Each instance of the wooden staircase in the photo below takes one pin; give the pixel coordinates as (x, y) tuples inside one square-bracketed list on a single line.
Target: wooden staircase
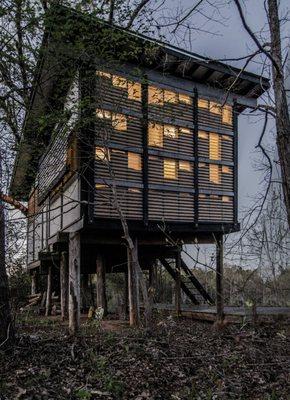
[(188, 283)]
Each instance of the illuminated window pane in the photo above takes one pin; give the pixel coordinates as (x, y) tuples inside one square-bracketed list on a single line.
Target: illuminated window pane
[(103, 113), (134, 161), (226, 199), (103, 74), (183, 98), (120, 82), (226, 169), (155, 134), (101, 186), (119, 122), (134, 91), (170, 97), (102, 154), (227, 137), (169, 169), (155, 95), (184, 130), (185, 166), (227, 115), (202, 103), (214, 174), (202, 135), (215, 108), (214, 146), (201, 165), (134, 190), (170, 131)]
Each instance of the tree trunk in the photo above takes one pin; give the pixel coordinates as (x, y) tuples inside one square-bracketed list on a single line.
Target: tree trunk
[(132, 292), (101, 284), (74, 282), (219, 279), (48, 292), (178, 284), (34, 278), (282, 111), (64, 278)]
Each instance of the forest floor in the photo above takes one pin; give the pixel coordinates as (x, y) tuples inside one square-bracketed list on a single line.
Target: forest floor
[(179, 359)]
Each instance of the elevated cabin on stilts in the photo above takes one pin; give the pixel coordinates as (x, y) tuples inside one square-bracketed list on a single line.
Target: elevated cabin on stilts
[(123, 126)]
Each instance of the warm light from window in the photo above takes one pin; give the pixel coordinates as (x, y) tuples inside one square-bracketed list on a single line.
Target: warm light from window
[(134, 161), (185, 166), (119, 122), (103, 74), (134, 91), (170, 97), (155, 95), (226, 169), (227, 117), (202, 135), (227, 137), (103, 113), (170, 131), (102, 154), (120, 82), (202, 103), (214, 146), (155, 137), (183, 98), (226, 199), (134, 190), (214, 174), (184, 130), (101, 186), (169, 169), (215, 108)]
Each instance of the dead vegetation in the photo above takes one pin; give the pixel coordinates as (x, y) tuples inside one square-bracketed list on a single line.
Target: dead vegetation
[(188, 360)]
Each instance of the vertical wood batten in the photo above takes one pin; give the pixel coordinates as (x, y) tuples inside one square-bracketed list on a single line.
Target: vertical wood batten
[(196, 156), (74, 281), (235, 151), (145, 147)]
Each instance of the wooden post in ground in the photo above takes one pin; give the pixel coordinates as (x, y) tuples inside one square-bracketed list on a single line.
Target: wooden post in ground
[(178, 283), (74, 282), (132, 292), (126, 300), (219, 278), (34, 278), (48, 291), (152, 284), (64, 285), (101, 283)]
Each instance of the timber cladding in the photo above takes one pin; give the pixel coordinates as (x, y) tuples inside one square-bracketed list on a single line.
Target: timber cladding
[(171, 157)]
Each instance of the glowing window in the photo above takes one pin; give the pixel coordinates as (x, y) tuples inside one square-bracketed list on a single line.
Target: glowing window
[(103, 74), (214, 146), (134, 91), (226, 199), (170, 97), (184, 130), (215, 108), (184, 98), (214, 174), (226, 137), (155, 134), (134, 161), (185, 166), (202, 135), (119, 122), (226, 169), (134, 190), (101, 186), (227, 117), (202, 103), (102, 154), (202, 165), (169, 169), (104, 114), (155, 95), (170, 131), (120, 82)]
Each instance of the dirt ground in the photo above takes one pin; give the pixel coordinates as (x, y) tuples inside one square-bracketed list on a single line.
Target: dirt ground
[(178, 359)]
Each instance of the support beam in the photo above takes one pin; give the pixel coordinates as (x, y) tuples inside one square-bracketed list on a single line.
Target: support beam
[(64, 277), (178, 283), (126, 300), (219, 278), (48, 291), (34, 282), (101, 283), (74, 282), (132, 292)]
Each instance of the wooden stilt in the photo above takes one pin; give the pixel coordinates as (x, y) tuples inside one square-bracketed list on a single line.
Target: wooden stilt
[(219, 278), (34, 282), (64, 285), (48, 292), (178, 283), (126, 300), (101, 284), (74, 282), (132, 292)]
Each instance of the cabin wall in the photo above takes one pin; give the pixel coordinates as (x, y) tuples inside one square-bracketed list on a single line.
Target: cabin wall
[(168, 148)]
